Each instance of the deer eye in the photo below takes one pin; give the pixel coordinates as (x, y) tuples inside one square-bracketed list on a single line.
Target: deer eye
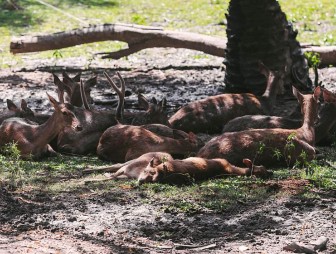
[(65, 113)]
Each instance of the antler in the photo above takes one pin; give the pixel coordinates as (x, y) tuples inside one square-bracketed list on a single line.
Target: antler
[(120, 92)]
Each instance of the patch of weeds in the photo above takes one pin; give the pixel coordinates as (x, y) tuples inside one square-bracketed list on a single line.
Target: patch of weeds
[(323, 177), (313, 59), (12, 165), (138, 19)]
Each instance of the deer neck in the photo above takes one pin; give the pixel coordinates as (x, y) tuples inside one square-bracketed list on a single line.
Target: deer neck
[(47, 131), (307, 131)]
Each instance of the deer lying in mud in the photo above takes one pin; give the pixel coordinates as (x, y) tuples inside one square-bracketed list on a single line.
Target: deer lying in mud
[(33, 140), (268, 145), (68, 90), (210, 114), (95, 122), (121, 143), (14, 111), (161, 167)]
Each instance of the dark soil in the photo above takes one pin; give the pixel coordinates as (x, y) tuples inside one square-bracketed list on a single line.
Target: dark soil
[(120, 221)]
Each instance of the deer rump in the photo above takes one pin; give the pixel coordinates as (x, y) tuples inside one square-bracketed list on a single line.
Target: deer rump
[(260, 145)]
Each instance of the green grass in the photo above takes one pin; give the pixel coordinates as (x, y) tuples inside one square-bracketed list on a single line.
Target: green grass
[(316, 21)]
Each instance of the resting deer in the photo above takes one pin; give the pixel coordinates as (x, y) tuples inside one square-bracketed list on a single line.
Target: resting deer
[(95, 122), (14, 111), (121, 143), (161, 167), (210, 114), (172, 171), (33, 140), (69, 89), (265, 144)]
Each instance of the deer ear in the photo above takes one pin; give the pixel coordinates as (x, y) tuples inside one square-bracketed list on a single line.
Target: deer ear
[(163, 103), (24, 105), (53, 102), (263, 69), (177, 134), (329, 96), (77, 77), (151, 163), (154, 100), (248, 163), (11, 105), (297, 94), (317, 93), (143, 102)]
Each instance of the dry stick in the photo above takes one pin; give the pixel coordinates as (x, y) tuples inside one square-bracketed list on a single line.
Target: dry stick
[(63, 12)]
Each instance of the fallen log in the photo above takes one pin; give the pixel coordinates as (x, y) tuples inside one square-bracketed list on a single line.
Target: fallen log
[(139, 38)]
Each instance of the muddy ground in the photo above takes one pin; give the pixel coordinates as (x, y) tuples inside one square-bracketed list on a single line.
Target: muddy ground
[(119, 221)]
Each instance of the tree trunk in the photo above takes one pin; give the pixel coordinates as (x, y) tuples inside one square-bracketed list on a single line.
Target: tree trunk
[(259, 30)]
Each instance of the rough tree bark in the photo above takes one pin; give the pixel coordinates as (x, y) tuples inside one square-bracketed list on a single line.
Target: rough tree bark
[(259, 30)]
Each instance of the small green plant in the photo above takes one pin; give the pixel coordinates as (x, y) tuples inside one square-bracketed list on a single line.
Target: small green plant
[(13, 164), (313, 59), (277, 153), (289, 148), (138, 19), (57, 54)]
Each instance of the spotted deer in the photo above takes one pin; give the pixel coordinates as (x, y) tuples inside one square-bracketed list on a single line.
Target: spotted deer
[(210, 114), (33, 140), (121, 143), (264, 145), (95, 122)]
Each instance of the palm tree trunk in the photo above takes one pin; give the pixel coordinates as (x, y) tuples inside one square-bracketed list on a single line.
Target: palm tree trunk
[(258, 30)]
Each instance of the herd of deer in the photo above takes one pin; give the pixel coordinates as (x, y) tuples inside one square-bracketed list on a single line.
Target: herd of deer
[(143, 144)]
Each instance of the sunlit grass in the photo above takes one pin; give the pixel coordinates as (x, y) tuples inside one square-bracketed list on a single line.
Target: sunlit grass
[(315, 20)]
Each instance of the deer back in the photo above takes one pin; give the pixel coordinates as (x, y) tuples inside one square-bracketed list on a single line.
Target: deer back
[(210, 114), (120, 143)]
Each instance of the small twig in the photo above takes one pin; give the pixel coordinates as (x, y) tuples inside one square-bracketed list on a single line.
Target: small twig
[(194, 247)]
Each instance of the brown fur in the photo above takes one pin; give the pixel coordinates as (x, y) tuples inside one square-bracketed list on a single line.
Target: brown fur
[(121, 143), (14, 111), (236, 145), (71, 89), (33, 140), (171, 171), (327, 119), (210, 114), (95, 122)]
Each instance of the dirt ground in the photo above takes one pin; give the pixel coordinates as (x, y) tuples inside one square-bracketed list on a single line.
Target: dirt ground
[(111, 223)]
